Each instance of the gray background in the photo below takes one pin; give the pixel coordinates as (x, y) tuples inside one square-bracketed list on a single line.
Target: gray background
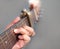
[(47, 29)]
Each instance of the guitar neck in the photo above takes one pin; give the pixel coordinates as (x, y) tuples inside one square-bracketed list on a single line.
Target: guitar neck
[(8, 38)]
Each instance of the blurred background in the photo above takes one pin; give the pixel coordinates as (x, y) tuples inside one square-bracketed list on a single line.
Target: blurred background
[(47, 29)]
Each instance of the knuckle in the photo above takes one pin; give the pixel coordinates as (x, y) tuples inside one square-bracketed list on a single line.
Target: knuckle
[(32, 30)]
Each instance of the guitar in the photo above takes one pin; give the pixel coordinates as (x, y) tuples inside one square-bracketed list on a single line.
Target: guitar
[(8, 38)]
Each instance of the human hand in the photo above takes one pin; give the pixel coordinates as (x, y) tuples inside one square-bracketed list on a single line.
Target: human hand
[(26, 32)]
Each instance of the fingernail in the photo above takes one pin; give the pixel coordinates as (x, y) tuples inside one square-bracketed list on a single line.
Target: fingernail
[(15, 30), (20, 37)]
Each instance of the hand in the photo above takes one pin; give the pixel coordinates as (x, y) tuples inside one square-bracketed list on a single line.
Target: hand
[(26, 32)]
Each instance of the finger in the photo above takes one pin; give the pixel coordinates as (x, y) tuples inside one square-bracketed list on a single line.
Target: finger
[(26, 38), (13, 22), (30, 30), (20, 37), (21, 30), (18, 45)]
